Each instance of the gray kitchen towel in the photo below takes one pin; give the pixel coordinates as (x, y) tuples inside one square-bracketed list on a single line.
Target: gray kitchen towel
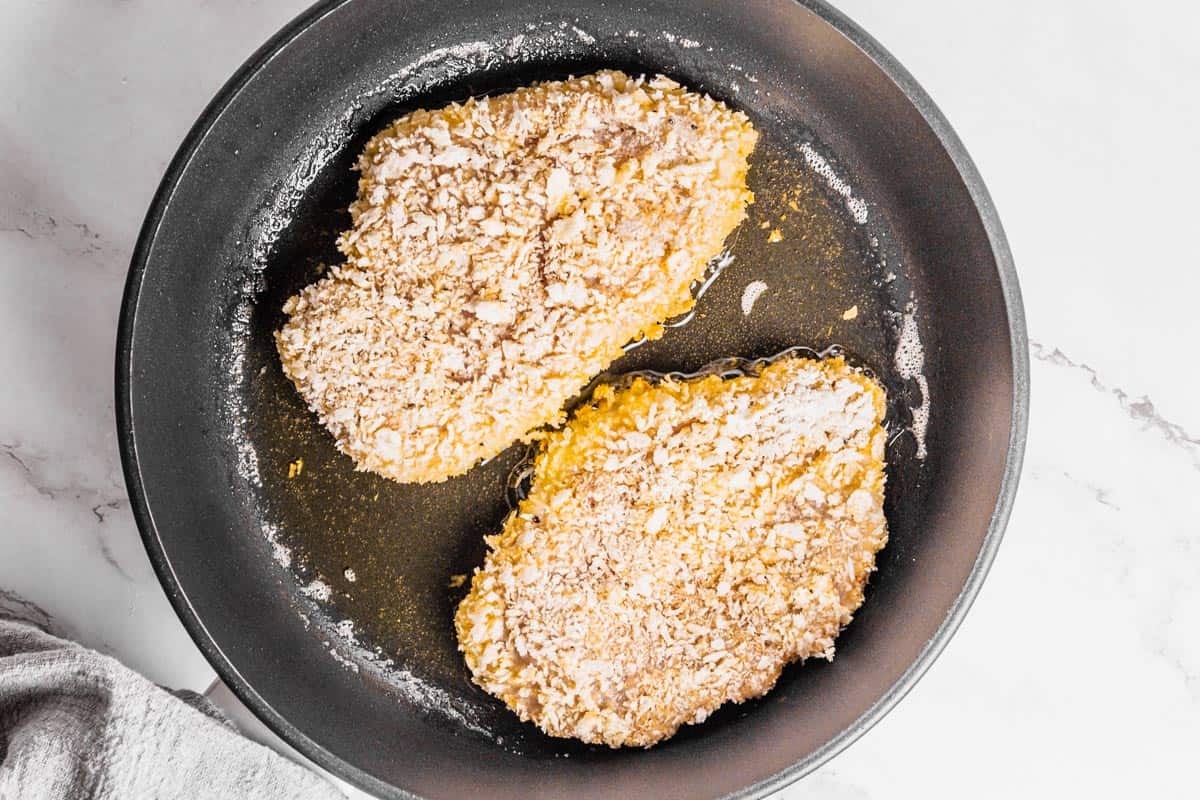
[(78, 725)]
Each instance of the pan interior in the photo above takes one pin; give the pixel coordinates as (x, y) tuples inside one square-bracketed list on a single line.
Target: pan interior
[(380, 556), (324, 594)]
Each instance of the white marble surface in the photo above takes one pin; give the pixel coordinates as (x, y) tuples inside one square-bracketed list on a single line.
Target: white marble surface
[(1078, 671)]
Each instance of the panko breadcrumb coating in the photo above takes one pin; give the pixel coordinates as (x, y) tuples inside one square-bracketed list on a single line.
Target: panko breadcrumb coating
[(681, 542), (502, 252)]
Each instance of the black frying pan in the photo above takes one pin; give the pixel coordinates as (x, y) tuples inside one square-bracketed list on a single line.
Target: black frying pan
[(248, 211)]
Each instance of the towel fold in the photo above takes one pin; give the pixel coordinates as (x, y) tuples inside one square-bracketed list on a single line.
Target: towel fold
[(76, 724)]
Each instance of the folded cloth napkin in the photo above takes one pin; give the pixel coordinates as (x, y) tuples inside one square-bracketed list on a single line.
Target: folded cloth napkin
[(78, 725)]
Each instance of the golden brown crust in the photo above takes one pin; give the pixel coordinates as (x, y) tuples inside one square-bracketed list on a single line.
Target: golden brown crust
[(503, 250), (681, 543)]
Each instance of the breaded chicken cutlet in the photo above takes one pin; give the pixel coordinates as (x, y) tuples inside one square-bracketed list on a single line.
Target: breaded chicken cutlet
[(503, 250), (681, 542)]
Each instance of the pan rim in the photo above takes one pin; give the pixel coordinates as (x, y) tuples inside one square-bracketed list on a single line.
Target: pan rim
[(228, 672)]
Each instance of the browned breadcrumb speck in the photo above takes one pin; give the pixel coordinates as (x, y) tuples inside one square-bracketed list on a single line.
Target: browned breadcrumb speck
[(503, 250), (681, 543)]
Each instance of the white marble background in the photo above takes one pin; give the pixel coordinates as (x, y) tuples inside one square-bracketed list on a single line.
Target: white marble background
[(1078, 671)]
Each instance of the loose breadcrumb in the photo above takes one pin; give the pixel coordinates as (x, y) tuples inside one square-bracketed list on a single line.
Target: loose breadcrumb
[(681, 542), (750, 295), (502, 252)]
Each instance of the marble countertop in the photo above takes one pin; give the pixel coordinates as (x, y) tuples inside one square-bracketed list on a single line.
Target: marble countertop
[(1077, 671)]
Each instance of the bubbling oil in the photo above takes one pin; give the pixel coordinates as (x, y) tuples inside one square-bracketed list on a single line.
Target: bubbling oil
[(698, 289)]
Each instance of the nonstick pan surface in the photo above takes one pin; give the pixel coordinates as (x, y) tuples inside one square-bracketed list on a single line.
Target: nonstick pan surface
[(324, 596)]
